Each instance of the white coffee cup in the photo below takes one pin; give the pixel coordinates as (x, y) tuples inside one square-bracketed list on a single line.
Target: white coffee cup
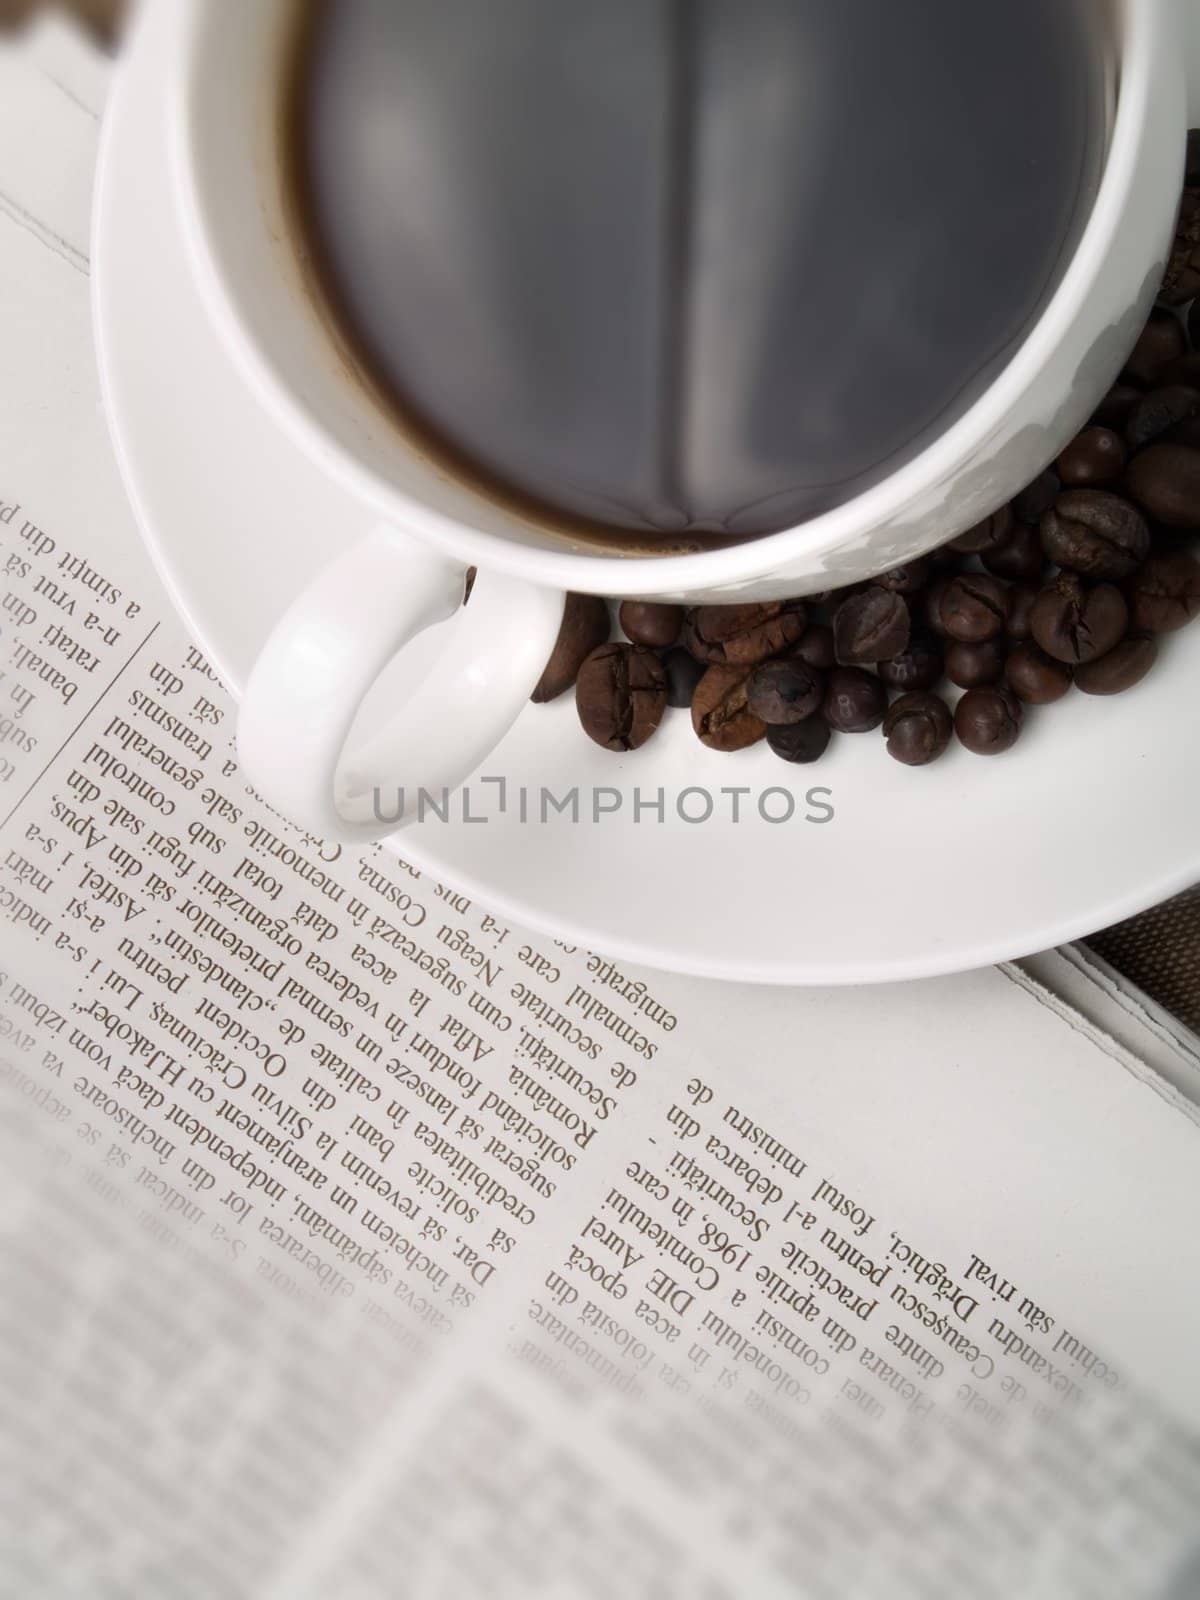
[(299, 736)]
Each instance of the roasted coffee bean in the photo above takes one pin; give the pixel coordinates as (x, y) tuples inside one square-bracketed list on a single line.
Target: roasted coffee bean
[(1096, 533), (855, 701), (872, 625), (1097, 455), (1184, 369), (1181, 281), (1038, 496), (972, 607), (942, 560), (970, 666), (620, 694), (930, 604), (1034, 677), (1126, 664), (917, 729), (815, 646), (1186, 432), (907, 579), (988, 721), (801, 742), (650, 622), (585, 625), (1165, 480), (1191, 171), (683, 674), (1193, 324), (1076, 624), (742, 635), (1159, 343), (1165, 595), (1158, 412), (991, 531), (720, 715), (1113, 411), (918, 666), (784, 691), (1020, 556), (1021, 598)]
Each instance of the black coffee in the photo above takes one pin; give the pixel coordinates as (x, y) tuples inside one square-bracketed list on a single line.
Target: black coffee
[(672, 272)]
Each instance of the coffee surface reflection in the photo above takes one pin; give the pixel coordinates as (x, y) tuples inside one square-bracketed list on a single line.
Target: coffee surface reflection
[(671, 272)]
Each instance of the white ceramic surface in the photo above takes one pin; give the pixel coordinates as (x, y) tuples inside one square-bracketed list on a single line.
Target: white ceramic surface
[(1090, 818), (303, 698)]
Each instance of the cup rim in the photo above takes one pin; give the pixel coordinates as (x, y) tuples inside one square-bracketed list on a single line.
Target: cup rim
[(802, 546)]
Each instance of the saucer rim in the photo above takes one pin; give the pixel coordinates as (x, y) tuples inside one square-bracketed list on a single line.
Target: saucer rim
[(935, 958)]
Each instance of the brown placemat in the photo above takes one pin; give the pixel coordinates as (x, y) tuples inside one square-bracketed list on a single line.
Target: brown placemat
[(1160, 952)]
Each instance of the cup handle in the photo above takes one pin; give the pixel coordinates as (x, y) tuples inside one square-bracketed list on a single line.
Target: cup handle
[(307, 688)]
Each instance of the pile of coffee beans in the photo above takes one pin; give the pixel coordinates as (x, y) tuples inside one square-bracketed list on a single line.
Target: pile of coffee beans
[(1072, 584)]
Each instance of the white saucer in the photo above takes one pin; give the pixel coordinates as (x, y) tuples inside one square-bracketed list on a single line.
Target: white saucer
[(1092, 817)]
